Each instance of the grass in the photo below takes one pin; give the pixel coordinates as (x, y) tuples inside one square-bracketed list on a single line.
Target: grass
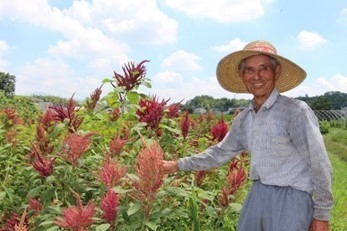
[(336, 144)]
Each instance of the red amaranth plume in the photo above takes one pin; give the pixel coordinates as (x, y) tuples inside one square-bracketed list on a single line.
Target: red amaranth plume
[(185, 124), (133, 75), (219, 131), (199, 177), (47, 119), (11, 222), (111, 172), (93, 99), (43, 165), (150, 175), (11, 117), (42, 140), (77, 218), (114, 114), (234, 180), (35, 205), (151, 111), (173, 110), (68, 112), (74, 146), (109, 206), (116, 145)]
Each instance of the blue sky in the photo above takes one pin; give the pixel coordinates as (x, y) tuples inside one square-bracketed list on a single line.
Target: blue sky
[(63, 47)]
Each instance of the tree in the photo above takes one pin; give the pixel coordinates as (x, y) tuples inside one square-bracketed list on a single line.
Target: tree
[(7, 84), (321, 103)]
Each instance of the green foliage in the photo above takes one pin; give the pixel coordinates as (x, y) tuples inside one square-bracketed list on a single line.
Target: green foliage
[(51, 98), (7, 84), (334, 100), (178, 204), (336, 143), (208, 103), (324, 127)]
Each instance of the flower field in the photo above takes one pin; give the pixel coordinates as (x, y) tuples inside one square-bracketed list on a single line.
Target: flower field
[(98, 166)]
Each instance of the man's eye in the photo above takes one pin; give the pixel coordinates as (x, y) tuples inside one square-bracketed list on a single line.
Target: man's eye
[(249, 71)]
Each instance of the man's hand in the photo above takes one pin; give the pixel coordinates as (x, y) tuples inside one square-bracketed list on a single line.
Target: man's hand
[(317, 225), (170, 166)]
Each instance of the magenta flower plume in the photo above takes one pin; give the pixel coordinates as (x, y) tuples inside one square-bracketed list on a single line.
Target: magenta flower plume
[(150, 176), (109, 204), (93, 99), (151, 111), (133, 75), (47, 119), (111, 173), (185, 124), (173, 110), (219, 131), (35, 205), (43, 165), (234, 181), (74, 146), (77, 218), (116, 145), (68, 112)]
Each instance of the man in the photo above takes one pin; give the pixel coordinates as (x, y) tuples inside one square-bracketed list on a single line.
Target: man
[(290, 168)]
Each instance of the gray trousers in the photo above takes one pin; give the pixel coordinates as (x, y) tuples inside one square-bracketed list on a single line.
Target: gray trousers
[(274, 208)]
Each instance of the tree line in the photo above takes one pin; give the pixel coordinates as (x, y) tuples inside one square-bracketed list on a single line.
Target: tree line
[(333, 100)]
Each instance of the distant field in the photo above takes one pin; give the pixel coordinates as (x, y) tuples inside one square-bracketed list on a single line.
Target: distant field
[(336, 143)]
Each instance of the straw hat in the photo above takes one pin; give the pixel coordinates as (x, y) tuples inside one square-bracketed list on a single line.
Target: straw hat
[(228, 73)]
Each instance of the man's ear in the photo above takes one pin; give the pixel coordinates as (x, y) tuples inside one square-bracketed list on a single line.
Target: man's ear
[(278, 71)]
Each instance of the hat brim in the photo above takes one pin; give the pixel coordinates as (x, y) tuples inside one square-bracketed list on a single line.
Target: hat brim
[(228, 74)]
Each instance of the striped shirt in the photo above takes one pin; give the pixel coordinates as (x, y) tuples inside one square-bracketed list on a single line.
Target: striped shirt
[(286, 149)]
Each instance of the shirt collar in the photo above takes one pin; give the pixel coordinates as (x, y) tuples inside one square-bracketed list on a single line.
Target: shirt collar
[(269, 102)]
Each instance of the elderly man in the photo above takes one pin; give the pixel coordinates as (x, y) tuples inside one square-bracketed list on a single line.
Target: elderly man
[(290, 168)]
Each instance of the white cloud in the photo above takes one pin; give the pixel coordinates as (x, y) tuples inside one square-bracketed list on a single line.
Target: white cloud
[(343, 16), (182, 61), (3, 47), (167, 77), (53, 77), (232, 45), (222, 10), (96, 29), (320, 86), (310, 40)]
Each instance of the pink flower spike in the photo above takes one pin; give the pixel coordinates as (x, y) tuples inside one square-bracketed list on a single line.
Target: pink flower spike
[(77, 218)]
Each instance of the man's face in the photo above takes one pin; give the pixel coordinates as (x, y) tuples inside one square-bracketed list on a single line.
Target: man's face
[(259, 76)]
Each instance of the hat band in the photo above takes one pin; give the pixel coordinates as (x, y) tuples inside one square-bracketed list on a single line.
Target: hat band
[(262, 49)]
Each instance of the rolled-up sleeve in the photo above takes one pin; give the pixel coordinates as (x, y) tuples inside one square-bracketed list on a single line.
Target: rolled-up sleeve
[(307, 138)]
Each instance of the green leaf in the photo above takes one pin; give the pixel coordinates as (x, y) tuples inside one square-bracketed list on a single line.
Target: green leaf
[(57, 130), (102, 227), (2, 195), (46, 223), (35, 191), (133, 97), (107, 80), (133, 209), (48, 195), (236, 207), (147, 84), (174, 191), (9, 194), (151, 225)]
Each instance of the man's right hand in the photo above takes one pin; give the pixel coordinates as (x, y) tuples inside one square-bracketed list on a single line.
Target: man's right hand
[(170, 167)]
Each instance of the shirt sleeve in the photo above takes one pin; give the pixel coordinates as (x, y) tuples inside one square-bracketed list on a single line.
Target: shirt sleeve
[(215, 155), (308, 140)]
